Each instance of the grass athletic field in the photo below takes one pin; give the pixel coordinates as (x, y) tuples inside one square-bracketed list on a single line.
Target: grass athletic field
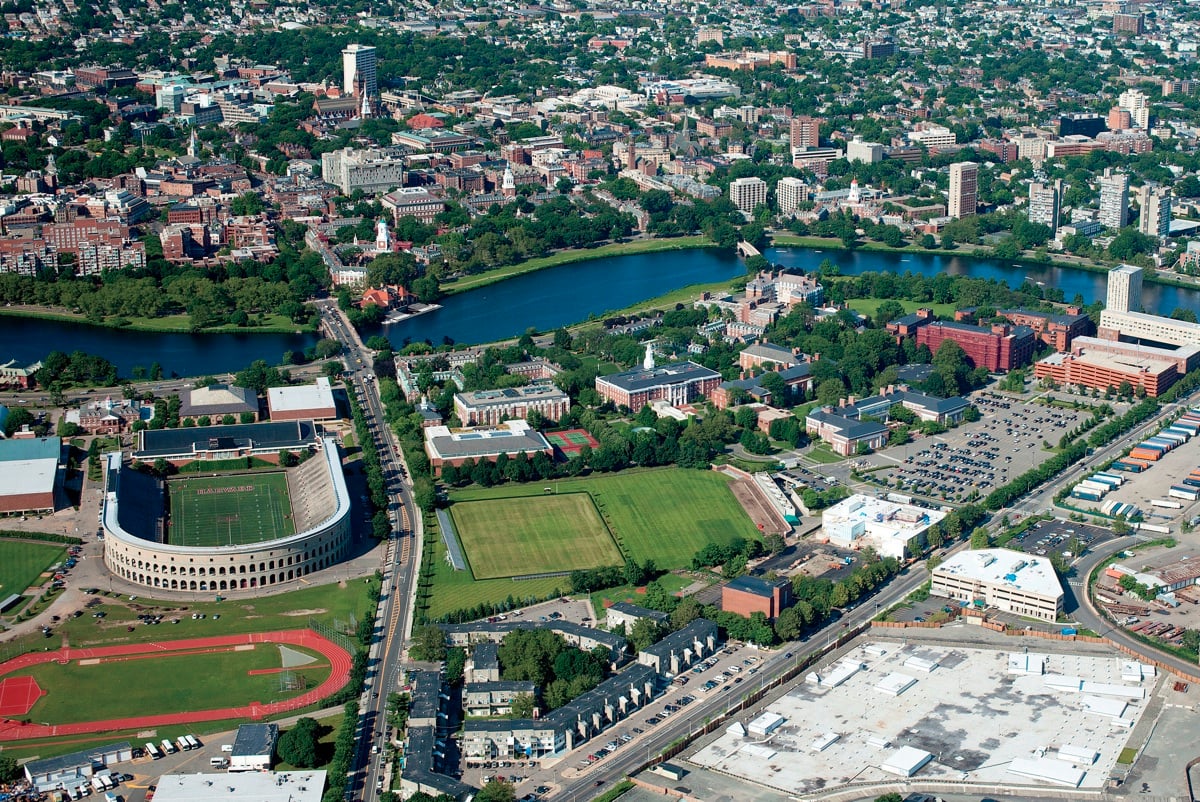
[(531, 535), (660, 514), (88, 691), (22, 563), (229, 510)]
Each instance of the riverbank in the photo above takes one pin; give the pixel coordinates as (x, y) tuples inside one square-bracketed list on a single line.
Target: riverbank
[(630, 248), (662, 303), (169, 324), (1153, 276)]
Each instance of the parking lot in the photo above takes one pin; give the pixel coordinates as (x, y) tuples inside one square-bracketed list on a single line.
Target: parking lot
[(973, 459), (1046, 537)]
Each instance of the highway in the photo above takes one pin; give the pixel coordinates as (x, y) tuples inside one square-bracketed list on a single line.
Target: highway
[(394, 615)]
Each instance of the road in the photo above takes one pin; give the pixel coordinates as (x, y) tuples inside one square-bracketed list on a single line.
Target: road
[(394, 616)]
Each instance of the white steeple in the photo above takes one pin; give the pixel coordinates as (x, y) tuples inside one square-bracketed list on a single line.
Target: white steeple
[(648, 362), (383, 238), (193, 146), (365, 111), (509, 184)]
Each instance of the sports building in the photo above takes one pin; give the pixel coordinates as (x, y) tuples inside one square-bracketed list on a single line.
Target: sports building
[(141, 545), (29, 471)]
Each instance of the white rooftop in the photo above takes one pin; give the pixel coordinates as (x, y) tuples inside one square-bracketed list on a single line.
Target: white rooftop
[(28, 466), (304, 397), (1003, 567), (250, 786)]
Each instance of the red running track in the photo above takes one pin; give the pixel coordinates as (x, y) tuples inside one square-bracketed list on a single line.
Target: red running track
[(339, 675)]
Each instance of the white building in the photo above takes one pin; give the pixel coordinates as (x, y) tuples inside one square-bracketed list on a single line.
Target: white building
[(1114, 199), (747, 193), (866, 152), (371, 170), (790, 192), (1138, 106), (1007, 580), (254, 747), (1122, 312), (934, 136), (1045, 200), (358, 71), (1155, 203), (1124, 289), (891, 529), (279, 786)]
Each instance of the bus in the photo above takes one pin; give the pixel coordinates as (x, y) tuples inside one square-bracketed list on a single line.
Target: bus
[(153, 751)]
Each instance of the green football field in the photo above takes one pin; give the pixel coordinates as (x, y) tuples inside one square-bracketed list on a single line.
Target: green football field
[(663, 514), (229, 510), (533, 534)]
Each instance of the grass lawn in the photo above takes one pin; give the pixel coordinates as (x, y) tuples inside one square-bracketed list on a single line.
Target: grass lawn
[(603, 599), (458, 590), (575, 255), (868, 306), (663, 514), (22, 563), (229, 510), (328, 604), (821, 453), (166, 684), (530, 535)]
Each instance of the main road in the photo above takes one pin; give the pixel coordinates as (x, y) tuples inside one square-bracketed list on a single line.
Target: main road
[(394, 615)]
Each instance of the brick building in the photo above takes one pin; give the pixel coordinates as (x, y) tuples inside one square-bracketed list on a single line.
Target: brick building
[(1056, 331), (751, 594), (677, 383), (1000, 348)]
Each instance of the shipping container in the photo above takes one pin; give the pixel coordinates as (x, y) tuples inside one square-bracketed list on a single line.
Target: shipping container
[(1167, 505), (1185, 493), (1191, 482), (1129, 466), (1099, 487), (1107, 479), (1162, 530), (1147, 454), (1172, 437), (1183, 430), (1086, 495)]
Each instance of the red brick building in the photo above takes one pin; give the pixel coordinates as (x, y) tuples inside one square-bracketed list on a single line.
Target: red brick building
[(1000, 348), (1057, 331), (678, 383), (751, 594)]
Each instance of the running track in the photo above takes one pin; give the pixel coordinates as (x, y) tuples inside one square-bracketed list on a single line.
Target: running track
[(339, 675)]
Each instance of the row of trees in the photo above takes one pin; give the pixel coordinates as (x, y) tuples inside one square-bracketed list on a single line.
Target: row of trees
[(559, 671)]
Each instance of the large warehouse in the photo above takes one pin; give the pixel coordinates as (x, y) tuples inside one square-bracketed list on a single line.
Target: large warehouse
[(29, 470), (1007, 580), (258, 786), (307, 402), (891, 529)]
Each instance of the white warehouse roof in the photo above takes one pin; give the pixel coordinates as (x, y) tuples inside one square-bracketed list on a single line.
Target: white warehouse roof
[(1031, 574), (252, 786)]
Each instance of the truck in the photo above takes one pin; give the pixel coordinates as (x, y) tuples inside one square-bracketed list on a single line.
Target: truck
[(1162, 530), (1166, 505), (153, 751)]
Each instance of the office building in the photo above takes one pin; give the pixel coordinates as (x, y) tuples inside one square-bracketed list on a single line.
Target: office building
[(805, 132), (866, 152), (1081, 125), (1044, 203), (1114, 199), (790, 192), (493, 407), (1155, 204), (358, 71), (892, 529), (884, 48), (1124, 289), (748, 193), (1007, 580), (933, 136), (964, 189), (1057, 331), (999, 348)]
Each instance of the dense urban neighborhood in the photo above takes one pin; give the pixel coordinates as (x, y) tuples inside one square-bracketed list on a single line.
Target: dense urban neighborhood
[(586, 400)]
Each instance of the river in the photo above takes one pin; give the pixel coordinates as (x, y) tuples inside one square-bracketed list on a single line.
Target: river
[(544, 300), (1160, 299)]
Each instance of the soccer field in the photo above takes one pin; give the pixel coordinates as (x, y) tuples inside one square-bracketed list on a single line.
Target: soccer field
[(533, 534), (229, 510), (21, 563), (663, 514)]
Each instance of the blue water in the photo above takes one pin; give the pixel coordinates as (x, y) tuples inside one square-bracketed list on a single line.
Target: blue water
[(544, 300)]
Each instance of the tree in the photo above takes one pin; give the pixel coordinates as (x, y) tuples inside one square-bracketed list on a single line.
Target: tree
[(980, 539), (685, 613), (522, 705), (298, 745), (788, 624), (644, 633), (429, 644), (496, 791)]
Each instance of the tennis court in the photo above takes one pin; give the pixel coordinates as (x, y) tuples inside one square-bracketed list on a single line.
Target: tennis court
[(230, 510), (571, 441)]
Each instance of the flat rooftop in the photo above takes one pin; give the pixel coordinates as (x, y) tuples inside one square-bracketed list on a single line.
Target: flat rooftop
[(969, 712), (643, 379), (1004, 567), (302, 398), (28, 465), (882, 518), (249, 786), (508, 394)]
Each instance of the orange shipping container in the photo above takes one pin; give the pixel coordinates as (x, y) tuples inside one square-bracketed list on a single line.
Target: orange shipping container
[(1145, 453)]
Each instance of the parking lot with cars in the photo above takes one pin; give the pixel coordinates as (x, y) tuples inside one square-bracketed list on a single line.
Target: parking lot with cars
[(973, 459)]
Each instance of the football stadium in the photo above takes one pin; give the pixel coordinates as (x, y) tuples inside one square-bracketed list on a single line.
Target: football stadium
[(226, 528)]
